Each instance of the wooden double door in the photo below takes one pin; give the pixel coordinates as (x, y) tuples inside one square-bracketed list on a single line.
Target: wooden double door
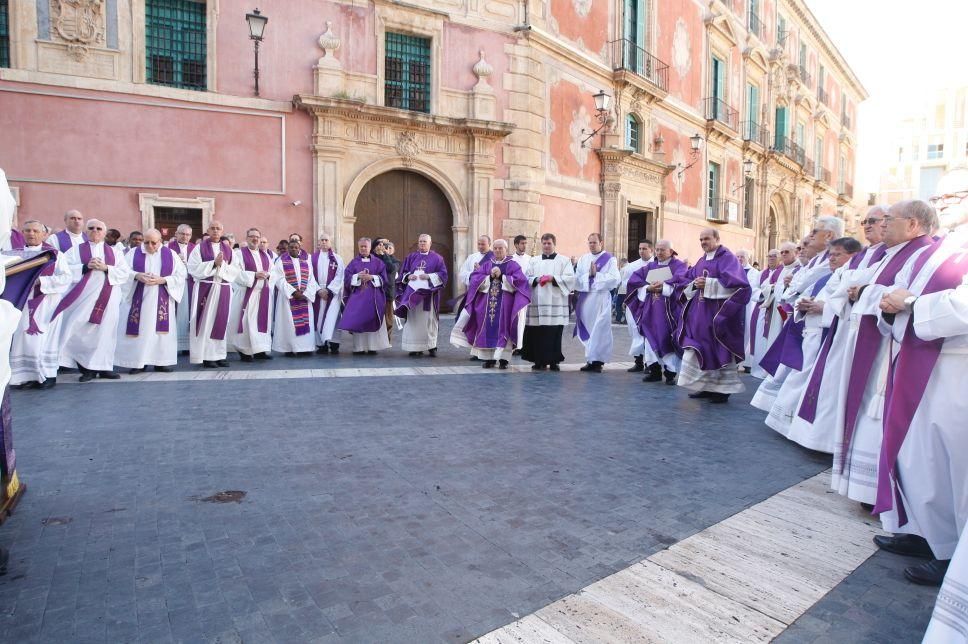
[(401, 205)]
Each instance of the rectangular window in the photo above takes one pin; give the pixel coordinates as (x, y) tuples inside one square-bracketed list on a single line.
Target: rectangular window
[(407, 78), (632, 133), (635, 22), (781, 30), (842, 183), (818, 153), (779, 139), (900, 154), (754, 24), (749, 195), (800, 134), (175, 52), (4, 34), (935, 150), (753, 105), (718, 79), (713, 192), (803, 56)]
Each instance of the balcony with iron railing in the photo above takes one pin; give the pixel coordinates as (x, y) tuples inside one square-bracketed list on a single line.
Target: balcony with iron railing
[(628, 56), (754, 133), (788, 148), (755, 25), (823, 96), (805, 76), (717, 210), (716, 109), (846, 190), (845, 121)]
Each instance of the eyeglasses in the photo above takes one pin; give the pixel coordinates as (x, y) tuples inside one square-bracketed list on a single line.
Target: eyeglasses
[(94, 228), (870, 221)]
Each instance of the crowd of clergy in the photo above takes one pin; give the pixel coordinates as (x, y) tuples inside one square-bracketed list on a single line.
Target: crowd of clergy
[(856, 346)]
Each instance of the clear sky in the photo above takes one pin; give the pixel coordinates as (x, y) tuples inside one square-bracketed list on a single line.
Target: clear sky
[(899, 49)]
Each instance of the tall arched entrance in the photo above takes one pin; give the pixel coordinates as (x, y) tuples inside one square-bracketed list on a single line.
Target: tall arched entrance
[(401, 205)]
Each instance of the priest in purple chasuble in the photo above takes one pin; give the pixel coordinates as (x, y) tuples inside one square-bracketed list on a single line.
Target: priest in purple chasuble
[(73, 233), (422, 279), (250, 322), (183, 246), (595, 276), (710, 332), (923, 462), (364, 301), (214, 272), (147, 334), (35, 350), (328, 270), (91, 307), (294, 331), (497, 292), (653, 303), (863, 382)]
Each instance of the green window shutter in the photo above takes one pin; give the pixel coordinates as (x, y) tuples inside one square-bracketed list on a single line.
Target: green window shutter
[(753, 104), (781, 128), (175, 43), (4, 34), (407, 72)]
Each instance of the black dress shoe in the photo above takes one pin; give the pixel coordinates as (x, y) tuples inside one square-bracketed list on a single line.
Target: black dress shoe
[(909, 545), (432, 352), (489, 364), (502, 364), (670, 376), (183, 352), (50, 383), (87, 376), (638, 366), (33, 384), (322, 350), (109, 375), (290, 354), (655, 373), (134, 371), (413, 354), (22, 385), (867, 507), (222, 363), (163, 369), (717, 398), (473, 358), (516, 352), (930, 573), (371, 353), (244, 357), (554, 366), (334, 348), (701, 394), (263, 356), (209, 364), (537, 367)]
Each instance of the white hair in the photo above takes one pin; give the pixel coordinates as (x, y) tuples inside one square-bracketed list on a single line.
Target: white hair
[(833, 224), (183, 228), (498, 242)]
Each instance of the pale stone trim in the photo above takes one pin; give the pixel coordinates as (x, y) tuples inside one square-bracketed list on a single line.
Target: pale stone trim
[(138, 44), (147, 202), (415, 21)]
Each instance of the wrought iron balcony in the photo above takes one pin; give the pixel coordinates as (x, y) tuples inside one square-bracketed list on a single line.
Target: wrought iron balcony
[(805, 76), (788, 148), (755, 25), (626, 55), (845, 121), (717, 210), (823, 96), (846, 190), (753, 133), (716, 109)]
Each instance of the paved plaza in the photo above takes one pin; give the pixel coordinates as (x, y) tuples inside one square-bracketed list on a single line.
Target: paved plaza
[(435, 502)]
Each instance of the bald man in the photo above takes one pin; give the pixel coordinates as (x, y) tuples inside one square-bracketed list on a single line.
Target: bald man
[(211, 265), (73, 233)]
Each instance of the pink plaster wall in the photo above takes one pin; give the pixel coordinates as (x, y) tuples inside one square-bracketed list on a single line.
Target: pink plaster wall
[(571, 222), (591, 29), (686, 87), (567, 100)]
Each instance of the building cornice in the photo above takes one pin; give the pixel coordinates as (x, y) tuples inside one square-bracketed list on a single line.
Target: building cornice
[(810, 22)]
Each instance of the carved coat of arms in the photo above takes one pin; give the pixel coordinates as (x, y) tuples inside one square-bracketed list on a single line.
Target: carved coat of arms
[(407, 147), (79, 22)]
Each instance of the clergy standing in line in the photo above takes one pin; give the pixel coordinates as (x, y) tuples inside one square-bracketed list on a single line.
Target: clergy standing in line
[(653, 304), (295, 322), (35, 349), (146, 329), (328, 273), (475, 259), (711, 330), (498, 291), (73, 233), (907, 226), (595, 277), (423, 277), (265, 246), (521, 256), (552, 278), (250, 323), (364, 301), (772, 307), (637, 347), (211, 266), (90, 309), (761, 294), (183, 246)]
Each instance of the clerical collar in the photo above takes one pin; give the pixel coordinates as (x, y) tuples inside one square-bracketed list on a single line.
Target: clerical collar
[(365, 258), (427, 253), (551, 256), (711, 255)]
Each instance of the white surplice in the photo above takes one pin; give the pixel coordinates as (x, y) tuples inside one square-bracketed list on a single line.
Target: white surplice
[(36, 357), (183, 310), (250, 341), (284, 338), (549, 303), (202, 346), (464, 274), (949, 621), (85, 344), (75, 240), (637, 346), (421, 326), (150, 347), (326, 330), (771, 295), (523, 260), (596, 310)]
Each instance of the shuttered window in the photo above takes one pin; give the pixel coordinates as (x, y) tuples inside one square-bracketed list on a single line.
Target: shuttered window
[(407, 72), (175, 37)]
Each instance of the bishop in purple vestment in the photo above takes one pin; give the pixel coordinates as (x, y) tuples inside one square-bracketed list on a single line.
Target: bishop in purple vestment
[(422, 279), (364, 301)]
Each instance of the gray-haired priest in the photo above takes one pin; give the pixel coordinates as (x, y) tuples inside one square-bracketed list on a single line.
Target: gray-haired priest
[(595, 277), (423, 278), (250, 324), (552, 278), (211, 265)]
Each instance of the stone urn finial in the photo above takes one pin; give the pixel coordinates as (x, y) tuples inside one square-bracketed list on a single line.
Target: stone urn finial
[(482, 69), (329, 42)]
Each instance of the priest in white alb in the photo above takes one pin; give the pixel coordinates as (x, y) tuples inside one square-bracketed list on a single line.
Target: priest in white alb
[(637, 347), (73, 233), (250, 330), (211, 266), (474, 260), (328, 270), (146, 333), (294, 330), (35, 349), (595, 277), (422, 280), (183, 246), (552, 278), (91, 307), (364, 301)]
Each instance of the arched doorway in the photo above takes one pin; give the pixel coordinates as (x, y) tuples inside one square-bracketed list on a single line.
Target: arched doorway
[(401, 205)]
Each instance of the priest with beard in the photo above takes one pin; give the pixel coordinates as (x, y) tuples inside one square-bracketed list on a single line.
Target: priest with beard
[(423, 277), (364, 301), (497, 292), (711, 330), (147, 334)]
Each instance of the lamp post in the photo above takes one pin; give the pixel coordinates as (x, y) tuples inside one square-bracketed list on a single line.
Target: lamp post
[(602, 104), (695, 144), (257, 26)]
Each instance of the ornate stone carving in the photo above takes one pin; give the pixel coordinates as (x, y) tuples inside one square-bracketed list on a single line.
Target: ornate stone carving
[(612, 190), (78, 22), (482, 69), (407, 147), (329, 42)]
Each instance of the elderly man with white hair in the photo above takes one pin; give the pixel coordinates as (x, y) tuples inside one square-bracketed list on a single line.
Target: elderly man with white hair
[(145, 336), (214, 271), (328, 270), (250, 323), (73, 233), (90, 309), (183, 246), (422, 279), (34, 353), (770, 301), (596, 274)]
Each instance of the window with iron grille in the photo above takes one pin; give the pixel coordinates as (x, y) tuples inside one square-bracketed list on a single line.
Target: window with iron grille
[(407, 75), (175, 34), (4, 34)]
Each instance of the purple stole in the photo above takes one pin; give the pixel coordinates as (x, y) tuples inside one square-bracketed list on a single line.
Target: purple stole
[(84, 250), (37, 296), (17, 241), (64, 240), (869, 340), (580, 330), (432, 262), (318, 307), (205, 286), (787, 349), (299, 308), (175, 248), (768, 320), (137, 298), (771, 277), (916, 360), (248, 262)]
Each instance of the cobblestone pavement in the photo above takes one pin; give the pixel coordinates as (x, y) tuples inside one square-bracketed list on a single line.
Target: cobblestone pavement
[(418, 509)]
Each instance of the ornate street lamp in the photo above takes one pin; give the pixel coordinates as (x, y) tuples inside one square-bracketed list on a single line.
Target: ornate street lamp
[(695, 144), (602, 104), (257, 26)]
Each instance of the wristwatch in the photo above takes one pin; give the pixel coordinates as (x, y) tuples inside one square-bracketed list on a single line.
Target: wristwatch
[(910, 300)]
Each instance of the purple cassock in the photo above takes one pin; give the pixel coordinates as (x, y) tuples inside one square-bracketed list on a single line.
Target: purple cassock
[(409, 298), (714, 328), (363, 305), (493, 314), (657, 317)]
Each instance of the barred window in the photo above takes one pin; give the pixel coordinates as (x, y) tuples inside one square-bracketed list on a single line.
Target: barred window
[(4, 34), (175, 37), (407, 76)]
